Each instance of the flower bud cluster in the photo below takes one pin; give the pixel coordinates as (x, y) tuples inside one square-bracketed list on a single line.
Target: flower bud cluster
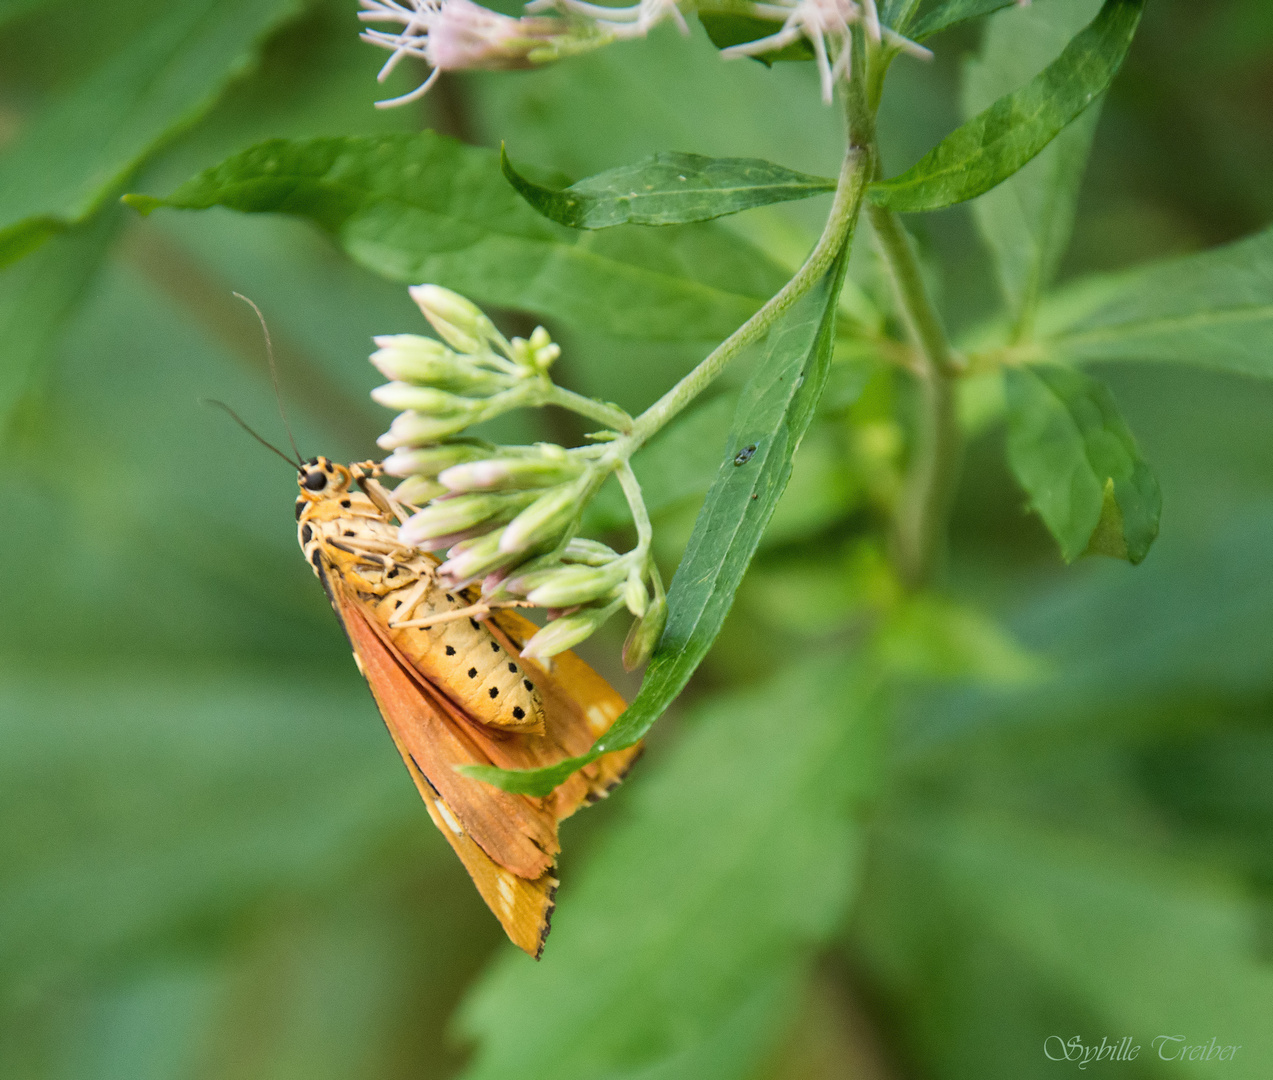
[(505, 516)]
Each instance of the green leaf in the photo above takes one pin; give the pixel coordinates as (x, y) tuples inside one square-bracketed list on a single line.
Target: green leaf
[(688, 929), (954, 12), (775, 410), (1073, 454), (36, 298), (992, 146), (71, 156), (667, 189), (425, 207), (725, 30), (1026, 220), (1213, 310)]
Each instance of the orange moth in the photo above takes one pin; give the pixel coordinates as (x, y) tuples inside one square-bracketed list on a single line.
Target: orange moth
[(454, 690)]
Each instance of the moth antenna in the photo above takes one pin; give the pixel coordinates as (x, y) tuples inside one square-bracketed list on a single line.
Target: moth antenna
[(244, 425), (278, 397)]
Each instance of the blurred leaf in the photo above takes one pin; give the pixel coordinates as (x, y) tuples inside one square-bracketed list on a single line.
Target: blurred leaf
[(418, 208), (1026, 220), (69, 159), (1075, 457), (13, 9), (667, 189), (676, 946), (36, 298), (992, 146), (773, 414), (725, 30), (1212, 310), (952, 13)]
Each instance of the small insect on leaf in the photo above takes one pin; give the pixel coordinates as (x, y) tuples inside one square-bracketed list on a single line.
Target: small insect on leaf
[(454, 691), (744, 455)]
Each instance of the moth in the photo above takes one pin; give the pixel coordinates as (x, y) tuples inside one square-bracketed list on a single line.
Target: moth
[(453, 690)]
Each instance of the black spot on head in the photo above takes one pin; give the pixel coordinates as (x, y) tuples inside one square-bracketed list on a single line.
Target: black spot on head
[(307, 534), (472, 673), (315, 556), (315, 480), (494, 646), (493, 692), (450, 650), (346, 503), (474, 623), (349, 532), (512, 667), (528, 684), (300, 505), (518, 712)]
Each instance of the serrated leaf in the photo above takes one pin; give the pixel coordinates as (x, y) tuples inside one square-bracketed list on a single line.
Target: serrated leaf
[(417, 208), (1067, 445), (1212, 310), (775, 410), (954, 12), (696, 916), (71, 156), (667, 189), (1026, 220), (995, 144)]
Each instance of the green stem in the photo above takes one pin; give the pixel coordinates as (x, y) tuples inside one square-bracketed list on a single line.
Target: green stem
[(923, 508), (855, 172), (611, 416)]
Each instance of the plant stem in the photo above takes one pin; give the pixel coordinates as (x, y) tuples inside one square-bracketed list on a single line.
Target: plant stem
[(855, 172), (611, 416), (928, 491)]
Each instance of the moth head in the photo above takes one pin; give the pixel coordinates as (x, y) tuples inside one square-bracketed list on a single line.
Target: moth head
[(320, 478)]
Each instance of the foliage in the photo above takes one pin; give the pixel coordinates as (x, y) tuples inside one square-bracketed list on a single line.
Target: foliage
[(921, 825)]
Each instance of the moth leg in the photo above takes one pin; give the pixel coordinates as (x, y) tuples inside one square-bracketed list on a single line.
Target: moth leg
[(473, 611)]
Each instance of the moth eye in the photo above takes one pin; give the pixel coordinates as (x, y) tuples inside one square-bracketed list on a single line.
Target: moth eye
[(315, 480)]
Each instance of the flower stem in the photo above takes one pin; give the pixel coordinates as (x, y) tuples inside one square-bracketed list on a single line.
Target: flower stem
[(611, 416), (923, 507), (855, 172)]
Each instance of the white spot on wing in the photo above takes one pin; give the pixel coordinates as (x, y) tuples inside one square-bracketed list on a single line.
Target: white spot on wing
[(599, 718), (506, 892), (451, 823)]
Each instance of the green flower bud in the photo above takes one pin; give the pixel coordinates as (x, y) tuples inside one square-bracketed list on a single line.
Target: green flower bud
[(645, 633), (510, 473), (445, 517), (413, 359), (634, 594), (418, 490), (543, 519), (562, 634), (570, 585), (588, 552), (423, 399), (538, 353), (431, 460), (416, 429), (459, 322), (471, 559)]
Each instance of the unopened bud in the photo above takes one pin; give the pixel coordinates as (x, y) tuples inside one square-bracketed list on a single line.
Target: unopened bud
[(414, 359), (645, 633), (471, 559), (588, 552), (562, 634), (543, 519), (422, 399), (634, 594), (568, 586), (431, 460), (416, 429), (458, 321), (445, 517), (418, 490), (536, 352), (510, 473)]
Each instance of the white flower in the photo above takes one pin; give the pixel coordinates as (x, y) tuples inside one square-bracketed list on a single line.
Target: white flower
[(827, 25), (621, 22), (450, 35)]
